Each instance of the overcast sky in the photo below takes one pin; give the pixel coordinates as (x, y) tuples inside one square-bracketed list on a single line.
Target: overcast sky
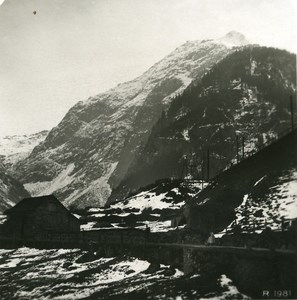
[(72, 49)]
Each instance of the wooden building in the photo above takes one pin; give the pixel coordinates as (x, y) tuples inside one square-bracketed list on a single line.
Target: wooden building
[(40, 219)]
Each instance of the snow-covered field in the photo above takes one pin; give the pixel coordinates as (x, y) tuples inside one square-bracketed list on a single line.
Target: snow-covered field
[(59, 274), (75, 274)]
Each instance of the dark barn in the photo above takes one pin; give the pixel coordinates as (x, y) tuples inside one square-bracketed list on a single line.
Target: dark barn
[(41, 219)]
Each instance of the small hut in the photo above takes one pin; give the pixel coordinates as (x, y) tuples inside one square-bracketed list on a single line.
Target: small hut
[(42, 218)]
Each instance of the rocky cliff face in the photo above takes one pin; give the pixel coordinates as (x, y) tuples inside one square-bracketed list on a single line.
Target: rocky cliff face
[(11, 191), (245, 95), (90, 151), (13, 149)]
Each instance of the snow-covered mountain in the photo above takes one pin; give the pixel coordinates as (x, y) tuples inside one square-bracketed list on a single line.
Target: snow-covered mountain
[(246, 96), (90, 151), (234, 39), (14, 148)]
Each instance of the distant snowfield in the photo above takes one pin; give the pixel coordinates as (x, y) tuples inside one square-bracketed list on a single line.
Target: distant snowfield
[(17, 147)]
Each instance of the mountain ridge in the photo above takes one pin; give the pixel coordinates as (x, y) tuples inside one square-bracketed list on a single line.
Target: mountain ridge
[(100, 136)]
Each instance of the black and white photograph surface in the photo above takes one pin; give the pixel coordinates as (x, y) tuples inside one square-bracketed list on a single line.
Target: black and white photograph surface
[(148, 149)]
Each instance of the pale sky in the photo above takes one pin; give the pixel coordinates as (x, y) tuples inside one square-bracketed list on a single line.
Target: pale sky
[(72, 49)]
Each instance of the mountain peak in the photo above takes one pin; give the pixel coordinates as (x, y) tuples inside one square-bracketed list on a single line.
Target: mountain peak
[(234, 38)]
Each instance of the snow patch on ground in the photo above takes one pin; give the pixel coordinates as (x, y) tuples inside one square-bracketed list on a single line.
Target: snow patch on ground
[(185, 134), (230, 293), (148, 199), (87, 226), (119, 271), (158, 226)]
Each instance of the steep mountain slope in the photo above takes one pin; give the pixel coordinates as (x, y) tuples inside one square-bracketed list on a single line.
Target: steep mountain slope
[(14, 148), (257, 193), (91, 149), (11, 191), (245, 95)]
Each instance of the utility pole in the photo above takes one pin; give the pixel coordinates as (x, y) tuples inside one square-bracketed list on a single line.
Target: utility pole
[(242, 142), (183, 170), (208, 163), (202, 173), (292, 112), (237, 148)]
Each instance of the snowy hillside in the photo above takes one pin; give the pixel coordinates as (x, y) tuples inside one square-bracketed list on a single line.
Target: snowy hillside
[(257, 193), (94, 144), (152, 206), (14, 148), (270, 205)]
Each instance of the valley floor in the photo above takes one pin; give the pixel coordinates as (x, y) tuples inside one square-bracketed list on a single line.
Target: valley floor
[(27, 273)]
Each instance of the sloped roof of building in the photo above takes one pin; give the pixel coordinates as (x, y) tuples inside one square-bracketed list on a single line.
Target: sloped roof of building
[(30, 204)]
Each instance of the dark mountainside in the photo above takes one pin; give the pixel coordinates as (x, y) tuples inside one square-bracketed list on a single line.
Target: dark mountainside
[(257, 192), (90, 151), (246, 94)]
